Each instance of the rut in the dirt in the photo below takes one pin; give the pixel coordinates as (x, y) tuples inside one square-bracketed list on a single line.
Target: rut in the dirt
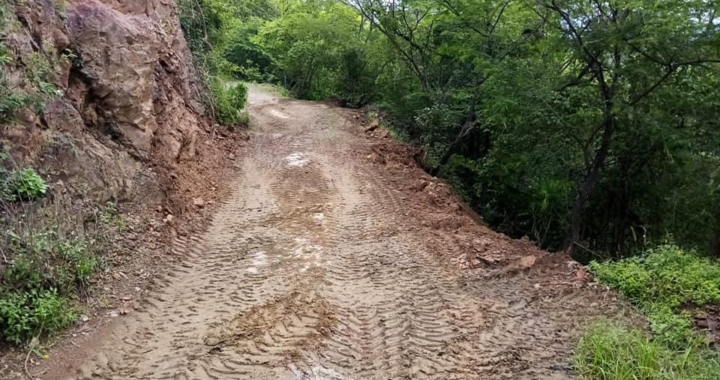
[(311, 270)]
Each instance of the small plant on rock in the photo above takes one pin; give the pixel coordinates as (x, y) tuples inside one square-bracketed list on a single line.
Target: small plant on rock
[(23, 184)]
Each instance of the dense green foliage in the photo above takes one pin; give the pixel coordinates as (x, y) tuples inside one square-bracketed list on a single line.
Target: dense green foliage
[(209, 27), (666, 275), (614, 352), (25, 315), (590, 126)]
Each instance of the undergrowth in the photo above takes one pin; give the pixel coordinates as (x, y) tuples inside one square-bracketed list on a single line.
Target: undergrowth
[(44, 266), (615, 352), (49, 249), (230, 99), (664, 283), (37, 84), (21, 184)]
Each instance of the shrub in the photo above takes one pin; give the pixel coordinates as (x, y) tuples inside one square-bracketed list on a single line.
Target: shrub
[(23, 184), (666, 275), (24, 315), (614, 352), (47, 260), (230, 100), (662, 283), (45, 269), (238, 96)]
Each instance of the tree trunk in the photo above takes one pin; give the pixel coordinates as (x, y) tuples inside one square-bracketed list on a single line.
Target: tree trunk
[(715, 240), (591, 179)]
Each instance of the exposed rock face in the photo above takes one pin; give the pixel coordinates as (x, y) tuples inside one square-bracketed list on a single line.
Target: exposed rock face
[(119, 53), (130, 111), (134, 64)]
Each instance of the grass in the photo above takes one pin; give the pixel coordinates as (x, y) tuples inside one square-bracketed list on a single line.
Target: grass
[(663, 283), (616, 352), (49, 252), (44, 270)]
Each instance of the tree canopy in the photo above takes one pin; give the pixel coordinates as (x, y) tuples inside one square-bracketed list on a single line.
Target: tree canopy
[(588, 125)]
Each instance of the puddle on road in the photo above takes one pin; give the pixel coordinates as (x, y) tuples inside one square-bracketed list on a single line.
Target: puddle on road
[(279, 114), (311, 253), (297, 159), (259, 259)]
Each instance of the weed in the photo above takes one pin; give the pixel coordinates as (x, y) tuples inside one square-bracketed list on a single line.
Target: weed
[(104, 301), (22, 184), (45, 259), (39, 70), (661, 282), (615, 352), (667, 275), (110, 217), (229, 100), (25, 315)]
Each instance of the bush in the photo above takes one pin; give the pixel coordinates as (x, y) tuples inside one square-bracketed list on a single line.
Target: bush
[(45, 269), (666, 275), (662, 283), (229, 100), (25, 315), (47, 260), (615, 352), (23, 184)]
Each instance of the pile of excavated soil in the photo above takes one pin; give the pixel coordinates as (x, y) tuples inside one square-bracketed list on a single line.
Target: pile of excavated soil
[(434, 204)]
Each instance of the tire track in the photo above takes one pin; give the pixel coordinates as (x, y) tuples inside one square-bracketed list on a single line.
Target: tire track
[(312, 270)]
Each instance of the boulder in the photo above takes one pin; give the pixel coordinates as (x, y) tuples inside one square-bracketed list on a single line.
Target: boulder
[(119, 53)]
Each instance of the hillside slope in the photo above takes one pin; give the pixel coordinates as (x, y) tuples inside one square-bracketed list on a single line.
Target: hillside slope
[(120, 112)]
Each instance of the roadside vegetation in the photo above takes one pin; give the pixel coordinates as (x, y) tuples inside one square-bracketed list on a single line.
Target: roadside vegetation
[(592, 127), (49, 249), (208, 27), (669, 285)]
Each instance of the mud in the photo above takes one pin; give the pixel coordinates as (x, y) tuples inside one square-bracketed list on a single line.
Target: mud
[(322, 265)]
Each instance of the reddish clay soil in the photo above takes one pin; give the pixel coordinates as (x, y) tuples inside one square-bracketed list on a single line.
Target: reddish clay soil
[(334, 256)]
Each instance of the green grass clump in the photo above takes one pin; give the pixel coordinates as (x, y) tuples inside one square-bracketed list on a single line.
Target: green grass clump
[(47, 260), (229, 100), (614, 352), (667, 275), (25, 315), (45, 269), (661, 283), (25, 184)]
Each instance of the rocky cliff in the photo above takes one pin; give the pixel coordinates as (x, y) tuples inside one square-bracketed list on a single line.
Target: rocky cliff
[(119, 115)]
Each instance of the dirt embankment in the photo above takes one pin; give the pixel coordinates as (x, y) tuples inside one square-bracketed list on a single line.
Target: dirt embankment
[(128, 124)]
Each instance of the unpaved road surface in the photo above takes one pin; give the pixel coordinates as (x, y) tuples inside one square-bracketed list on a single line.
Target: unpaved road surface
[(311, 270)]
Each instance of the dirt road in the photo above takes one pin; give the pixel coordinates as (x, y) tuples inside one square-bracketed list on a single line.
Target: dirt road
[(312, 270)]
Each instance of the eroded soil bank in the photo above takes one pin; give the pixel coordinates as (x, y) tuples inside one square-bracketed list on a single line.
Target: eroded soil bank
[(335, 257)]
